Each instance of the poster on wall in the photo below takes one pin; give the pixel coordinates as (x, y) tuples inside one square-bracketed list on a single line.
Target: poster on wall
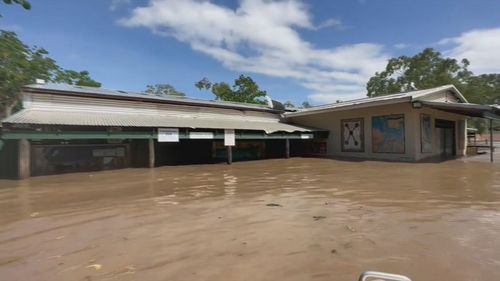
[(426, 133), (388, 134), (352, 135)]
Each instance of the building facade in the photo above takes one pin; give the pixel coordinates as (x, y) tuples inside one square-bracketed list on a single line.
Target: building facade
[(65, 128), (409, 126)]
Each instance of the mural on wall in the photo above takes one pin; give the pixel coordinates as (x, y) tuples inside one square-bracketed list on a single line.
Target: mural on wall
[(426, 133), (388, 134), (352, 135)]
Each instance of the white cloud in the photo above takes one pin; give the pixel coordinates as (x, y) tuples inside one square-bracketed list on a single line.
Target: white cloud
[(400, 46), (481, 47), (332, 22), (115, 4), (261, 36)]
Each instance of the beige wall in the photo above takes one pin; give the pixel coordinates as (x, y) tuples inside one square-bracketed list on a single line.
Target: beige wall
[(332, 122), (460, 132)]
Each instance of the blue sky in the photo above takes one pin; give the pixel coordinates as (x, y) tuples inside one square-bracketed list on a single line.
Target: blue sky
[(319, 51)]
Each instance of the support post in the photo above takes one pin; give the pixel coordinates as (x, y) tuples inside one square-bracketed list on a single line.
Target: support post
[(287, 148), (24, 159), (151, 153), (492, 148), (229, 153)]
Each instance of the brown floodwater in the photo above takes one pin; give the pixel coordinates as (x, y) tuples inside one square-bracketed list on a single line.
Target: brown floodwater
[(295, 219)]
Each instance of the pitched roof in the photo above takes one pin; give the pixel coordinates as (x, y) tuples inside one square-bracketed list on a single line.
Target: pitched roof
[(379, 100), (65, 89), (119, 119)]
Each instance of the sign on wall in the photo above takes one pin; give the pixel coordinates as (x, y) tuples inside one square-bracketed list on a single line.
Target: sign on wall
[(229, 137), (201, 135), (426, 133), (168, 135), (352, 135)]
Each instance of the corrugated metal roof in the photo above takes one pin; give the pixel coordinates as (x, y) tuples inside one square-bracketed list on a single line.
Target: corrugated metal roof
[(64, 89), (469, 109), (380, 100), (113, 119)]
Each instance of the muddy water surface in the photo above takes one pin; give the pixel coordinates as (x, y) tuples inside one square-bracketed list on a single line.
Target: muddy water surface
[(296, 219)]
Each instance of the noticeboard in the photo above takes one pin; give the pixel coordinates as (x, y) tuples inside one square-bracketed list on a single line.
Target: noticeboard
[(168, 135), (229, 137)]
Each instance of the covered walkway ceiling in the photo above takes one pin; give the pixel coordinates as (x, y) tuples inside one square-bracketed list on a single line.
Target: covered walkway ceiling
[(468, 109)]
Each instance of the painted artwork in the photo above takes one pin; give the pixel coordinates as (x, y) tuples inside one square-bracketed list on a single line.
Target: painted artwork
[(352, 135), (426, 133), (388, 134)]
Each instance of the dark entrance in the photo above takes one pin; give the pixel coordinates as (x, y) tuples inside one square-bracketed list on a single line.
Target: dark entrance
[(446, 137)]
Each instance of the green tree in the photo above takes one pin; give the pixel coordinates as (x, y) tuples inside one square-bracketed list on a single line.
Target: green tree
[(163, 90), (25, 4), (306, 104), (288, 104), (203, 84), (424, 70), (21, 65), (244, 90), (484, 89), (429, 69), (72, 77)]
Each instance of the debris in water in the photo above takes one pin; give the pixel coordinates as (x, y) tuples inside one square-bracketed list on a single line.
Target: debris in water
[(350, 228), (333, 251), (273, 205), (317, 218), (34, 214), (95, 266), (371, 241)]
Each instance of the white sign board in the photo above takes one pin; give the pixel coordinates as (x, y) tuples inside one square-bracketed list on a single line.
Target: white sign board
[(201, 135), (306, 136), (229, 137), (168, 135)]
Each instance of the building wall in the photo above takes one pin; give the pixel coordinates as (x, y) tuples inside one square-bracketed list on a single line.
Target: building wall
[(412, 133), (460, 132)]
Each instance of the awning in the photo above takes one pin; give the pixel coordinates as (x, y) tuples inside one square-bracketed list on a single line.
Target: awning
[(113, 119), (468, 109)]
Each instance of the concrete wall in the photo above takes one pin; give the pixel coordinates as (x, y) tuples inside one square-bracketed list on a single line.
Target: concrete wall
[(332, 122)]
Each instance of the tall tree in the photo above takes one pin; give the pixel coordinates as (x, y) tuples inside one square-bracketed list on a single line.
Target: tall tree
[(306, 104), (288, 104), (79, 78), (244, 90), (20, 65), (24, 3), (430, 69), (163, 90), (424, 70)]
